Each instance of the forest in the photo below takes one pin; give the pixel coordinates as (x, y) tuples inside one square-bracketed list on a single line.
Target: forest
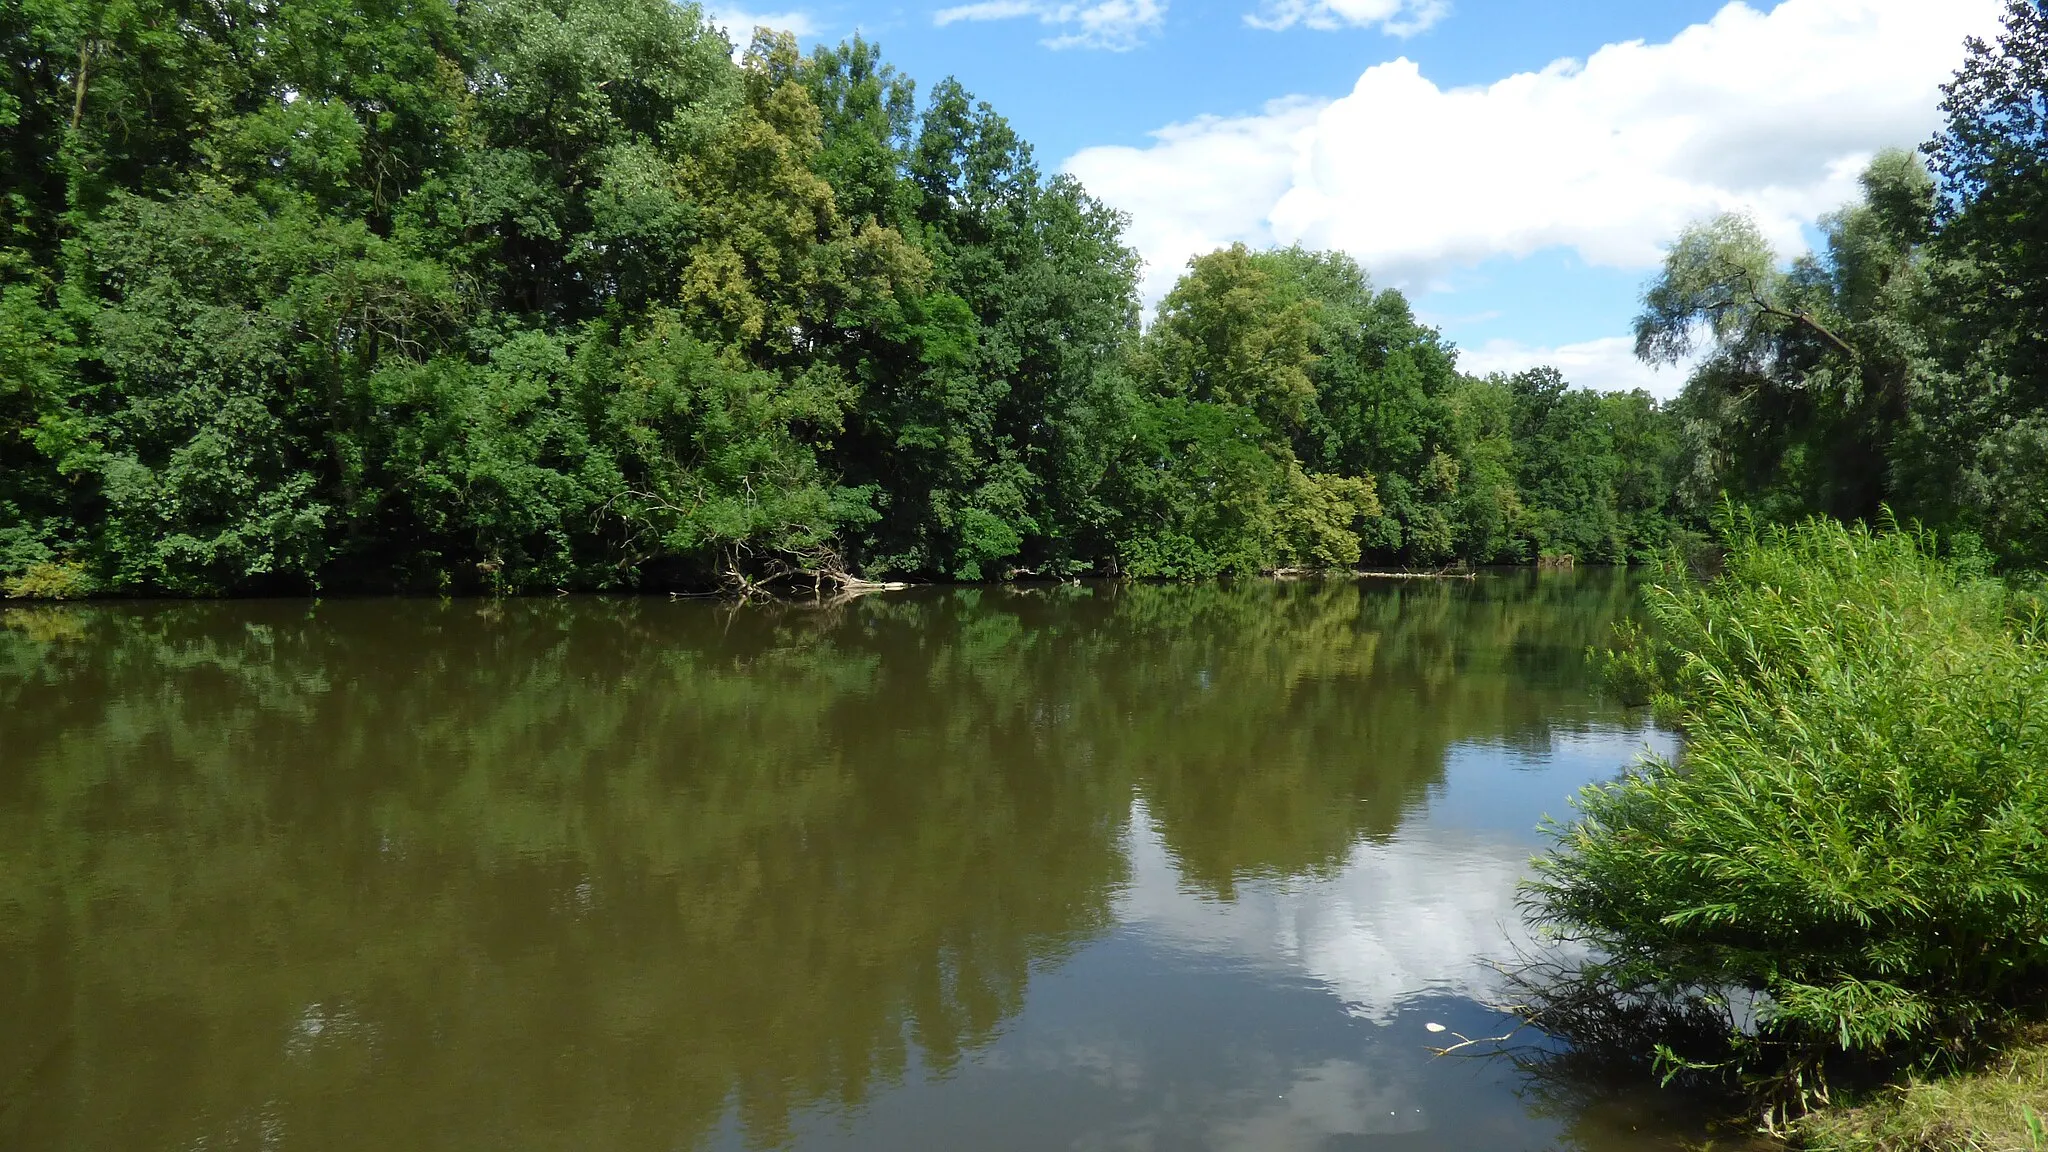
[(524, 295), (534, 294)]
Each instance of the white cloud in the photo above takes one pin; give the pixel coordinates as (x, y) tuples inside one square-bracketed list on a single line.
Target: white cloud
[(1205, 184), (1608, 364), (991, 10), (1117, 25), (1770, 113), (739, 24), (1394, 17)]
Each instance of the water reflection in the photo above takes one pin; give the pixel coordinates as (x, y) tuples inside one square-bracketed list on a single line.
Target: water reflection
[(1092, 866), (1396, 922)]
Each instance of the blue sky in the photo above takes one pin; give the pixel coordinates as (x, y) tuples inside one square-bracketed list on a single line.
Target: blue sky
[(1205, 59), (1519, 201)]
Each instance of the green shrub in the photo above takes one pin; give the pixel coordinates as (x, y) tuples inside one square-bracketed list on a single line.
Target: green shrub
[(51, 580), (1636, 668), (1855, 838)]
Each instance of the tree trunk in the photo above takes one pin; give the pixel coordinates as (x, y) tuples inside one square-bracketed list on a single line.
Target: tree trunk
[(78, 86)]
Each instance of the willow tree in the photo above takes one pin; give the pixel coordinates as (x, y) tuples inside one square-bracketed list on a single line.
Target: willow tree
[(1809, 368)]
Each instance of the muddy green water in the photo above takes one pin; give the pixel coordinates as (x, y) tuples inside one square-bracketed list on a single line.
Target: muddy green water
[(1087, 867)]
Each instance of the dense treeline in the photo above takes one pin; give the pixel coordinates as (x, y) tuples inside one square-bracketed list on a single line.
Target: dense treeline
[(526, 294), (1289, 415), (1905, 365)]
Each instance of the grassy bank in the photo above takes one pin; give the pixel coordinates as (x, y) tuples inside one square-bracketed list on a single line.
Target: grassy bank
[(1843, 883), (2000, 1107)]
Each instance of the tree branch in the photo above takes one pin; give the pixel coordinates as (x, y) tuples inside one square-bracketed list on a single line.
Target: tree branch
[(1806, 318), (1799, 316)]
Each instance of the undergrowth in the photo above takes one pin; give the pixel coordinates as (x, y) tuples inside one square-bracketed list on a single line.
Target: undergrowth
[(1845, 874), (2001, 1106)]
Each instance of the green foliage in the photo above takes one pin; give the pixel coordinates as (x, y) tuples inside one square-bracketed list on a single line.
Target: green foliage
[(1804, 390), (1901, 364), (1234, 333), (51, 581), (1288, 415), (527, 294), (532, 294), (1638, 667), (1721, 273), (1318, 517), (1992, 156), (1197, 490), (1857, 831)]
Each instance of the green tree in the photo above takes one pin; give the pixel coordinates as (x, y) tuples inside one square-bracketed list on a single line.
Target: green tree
[(1981, 450), (532, 294), (1810, 380)]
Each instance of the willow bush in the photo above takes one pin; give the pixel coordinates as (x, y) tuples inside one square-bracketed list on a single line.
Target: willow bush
[(1847, 866)]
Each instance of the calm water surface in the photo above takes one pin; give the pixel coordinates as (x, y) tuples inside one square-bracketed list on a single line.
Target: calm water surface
[(1089, 867)]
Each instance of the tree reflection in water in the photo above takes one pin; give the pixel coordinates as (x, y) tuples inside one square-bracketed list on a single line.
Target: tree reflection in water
[(614, 873)]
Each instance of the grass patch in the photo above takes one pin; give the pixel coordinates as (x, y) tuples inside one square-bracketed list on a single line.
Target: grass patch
[(2001, 1107)]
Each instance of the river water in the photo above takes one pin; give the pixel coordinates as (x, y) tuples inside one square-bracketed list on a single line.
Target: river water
[(1060, 867)]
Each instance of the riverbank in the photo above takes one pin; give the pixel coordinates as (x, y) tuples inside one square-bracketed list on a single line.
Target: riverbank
[(1852, 841), (2002, 1107), (806, 587)]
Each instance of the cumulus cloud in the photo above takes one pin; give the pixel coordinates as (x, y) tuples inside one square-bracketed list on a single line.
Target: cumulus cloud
[(1117, 25), (1608, 364), (1769, 113), (1394, 17), (739, 24), (1222, 177)]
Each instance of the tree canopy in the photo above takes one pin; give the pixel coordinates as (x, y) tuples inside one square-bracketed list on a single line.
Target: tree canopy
[(535, 294), (1900, 365)]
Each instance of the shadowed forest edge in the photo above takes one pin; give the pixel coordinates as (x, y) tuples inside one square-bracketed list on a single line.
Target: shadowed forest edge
[(535, 294)]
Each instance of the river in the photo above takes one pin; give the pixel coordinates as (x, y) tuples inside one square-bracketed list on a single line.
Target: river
[(1039, 867)]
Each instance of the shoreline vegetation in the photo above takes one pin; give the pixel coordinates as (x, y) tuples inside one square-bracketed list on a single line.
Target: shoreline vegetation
[(841, 583), (2000, 1107), (1833, 907), (1842, 881), (526, 295), (841, 586)]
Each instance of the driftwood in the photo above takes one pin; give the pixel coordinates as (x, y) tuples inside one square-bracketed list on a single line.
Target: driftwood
[(1312, 573), (747, 576), (852, 585)]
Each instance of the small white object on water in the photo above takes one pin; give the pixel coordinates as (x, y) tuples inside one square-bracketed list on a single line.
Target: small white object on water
[(1433, 1026)]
